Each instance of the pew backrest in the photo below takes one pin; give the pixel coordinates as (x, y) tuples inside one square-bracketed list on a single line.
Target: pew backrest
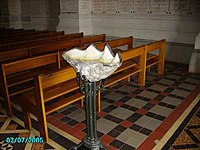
[(17, 33), (49, 38), (158, 58), (49, 86), (155, 45), (57, 77), (58, 83), (31, 36), (126, 41), (70, 36), (93, 39), (29, 63), (17, 76), (46, 48)]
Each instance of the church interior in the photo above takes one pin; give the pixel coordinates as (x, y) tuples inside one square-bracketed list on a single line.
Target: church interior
[(100, 74)]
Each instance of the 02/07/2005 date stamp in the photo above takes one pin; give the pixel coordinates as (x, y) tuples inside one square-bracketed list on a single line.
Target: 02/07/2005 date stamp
[(24, 140)]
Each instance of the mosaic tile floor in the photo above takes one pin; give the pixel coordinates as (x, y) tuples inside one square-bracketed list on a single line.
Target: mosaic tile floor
[(189, 137), (132, 117)]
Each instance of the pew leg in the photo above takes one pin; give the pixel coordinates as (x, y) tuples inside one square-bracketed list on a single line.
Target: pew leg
[(82, 102), (5, 95), (27, 119), (98, 101), (161, 64), (161, 68), (43, 126), (128, 79), (8, 106), (149, 69), (141, 78), (0, 107)]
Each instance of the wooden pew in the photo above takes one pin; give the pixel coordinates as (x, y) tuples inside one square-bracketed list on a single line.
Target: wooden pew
[(60, 85), (60, 46), (14, 54), (17, 76), (93, 39), (17, 33), (16, 73), (36, 35), (153, 59), (114, 44), (128, 68), (63, 46), (10, 30), (37, 42), (158, 58), (3, 30), (71, 36), (54, 47), (30, 43)]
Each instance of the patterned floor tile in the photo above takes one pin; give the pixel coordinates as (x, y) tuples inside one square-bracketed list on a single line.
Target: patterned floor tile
[(186, 86), (192, 80), (171, 101), (187, 136), (104, 125), (166, 81), (114, 96), (138, 103), (153, 124), (129, 135), (127, 147), (128, 89), (121, 113), (117, 144), (158, 87), (161, 110), (131, 117), (148, 94), (173, 76), (12, 129), (180, 93), (143, 121), (135, 142)]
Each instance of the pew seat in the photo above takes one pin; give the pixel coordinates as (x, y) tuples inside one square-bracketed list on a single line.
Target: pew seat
[(53, 91), (127, 69), (152, 59)]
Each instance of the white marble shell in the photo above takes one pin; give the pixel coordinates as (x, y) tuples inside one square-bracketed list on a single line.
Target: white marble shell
[(92, 63)]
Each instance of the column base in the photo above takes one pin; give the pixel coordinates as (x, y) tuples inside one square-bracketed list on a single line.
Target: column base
[(90, 146), (195, 62)]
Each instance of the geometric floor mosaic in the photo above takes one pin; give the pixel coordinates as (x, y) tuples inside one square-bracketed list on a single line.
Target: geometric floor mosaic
[(10, 128), (187, 137), (131, 117)]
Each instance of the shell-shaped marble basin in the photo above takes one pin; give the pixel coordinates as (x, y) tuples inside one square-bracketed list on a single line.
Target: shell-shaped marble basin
[(92, 63), (91, 54)]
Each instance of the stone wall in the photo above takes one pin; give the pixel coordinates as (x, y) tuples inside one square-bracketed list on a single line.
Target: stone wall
[(28, 14), (178, 21)]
